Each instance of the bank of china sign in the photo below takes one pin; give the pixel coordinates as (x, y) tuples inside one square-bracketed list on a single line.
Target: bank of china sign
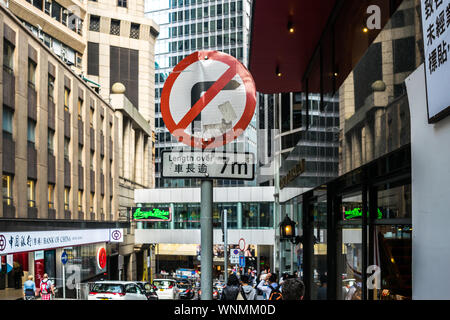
[(13, 242), (436, 38)]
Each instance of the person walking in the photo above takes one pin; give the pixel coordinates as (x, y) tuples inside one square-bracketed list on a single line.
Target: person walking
[(247, 291), (268, 285), (231, 290), (29, 289), (46, 288)]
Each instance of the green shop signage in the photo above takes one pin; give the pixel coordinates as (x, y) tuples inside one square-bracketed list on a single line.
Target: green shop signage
[(152, 214), (357, 212)]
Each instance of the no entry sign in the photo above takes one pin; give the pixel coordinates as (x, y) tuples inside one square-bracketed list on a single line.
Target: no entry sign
[(208, 100)]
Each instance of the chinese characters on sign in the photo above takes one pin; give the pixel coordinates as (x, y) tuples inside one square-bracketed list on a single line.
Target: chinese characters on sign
[(436, 25), (198, 164), (13, 242)]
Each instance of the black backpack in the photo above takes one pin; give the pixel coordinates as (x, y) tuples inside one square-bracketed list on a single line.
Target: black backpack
[(275, 294)]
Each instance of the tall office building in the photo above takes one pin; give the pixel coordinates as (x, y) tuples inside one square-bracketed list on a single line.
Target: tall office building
[(187, 26)]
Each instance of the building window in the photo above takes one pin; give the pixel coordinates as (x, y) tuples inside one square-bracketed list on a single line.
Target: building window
[(122, 3), (94, 23), (31, 192), (66, 198), (47, 7), (37, 4), (31, 131), (115, 27), (56, 11), (92, 160), (91, 117), (50, 141), (66, 148), (51, 196), (51, 87), (80, 200), (8, 116), (31, 73), (91, 202), (134, 31), (80, 111), (7, 189), (80, 154), (8, 56), (66, 99)]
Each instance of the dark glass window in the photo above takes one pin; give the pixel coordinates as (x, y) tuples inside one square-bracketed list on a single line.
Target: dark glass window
[(94, 24), (134, 31), (115, 27)]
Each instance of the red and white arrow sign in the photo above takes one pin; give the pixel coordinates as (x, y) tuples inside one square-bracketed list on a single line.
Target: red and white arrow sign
[(208, 100)]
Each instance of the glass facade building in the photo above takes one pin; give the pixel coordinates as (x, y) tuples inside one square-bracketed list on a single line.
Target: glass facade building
[(356, 228)]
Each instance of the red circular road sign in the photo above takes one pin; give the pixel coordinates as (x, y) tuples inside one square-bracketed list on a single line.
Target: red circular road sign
[(101, 258), (208, 81), (241, 244)]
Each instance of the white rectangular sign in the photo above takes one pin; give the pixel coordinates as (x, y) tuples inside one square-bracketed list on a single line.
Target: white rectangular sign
[(234, 259), (208, 164), (436, 38), (13, 242)]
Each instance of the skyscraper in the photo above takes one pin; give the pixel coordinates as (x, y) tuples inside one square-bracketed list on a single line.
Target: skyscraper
[(187, 26)]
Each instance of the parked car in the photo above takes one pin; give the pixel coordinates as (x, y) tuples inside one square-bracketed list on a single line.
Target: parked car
[(215, 294), (116, 290), (186, 291), (166, 288), (148, 289)]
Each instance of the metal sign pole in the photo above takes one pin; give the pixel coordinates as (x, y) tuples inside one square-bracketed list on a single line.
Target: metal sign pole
[(225, 244), (206, 238)]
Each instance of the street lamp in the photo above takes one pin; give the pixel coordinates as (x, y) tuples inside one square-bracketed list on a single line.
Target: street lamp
[(287, 231)]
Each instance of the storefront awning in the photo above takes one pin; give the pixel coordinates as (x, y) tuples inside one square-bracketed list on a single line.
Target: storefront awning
[(323, 40), (275, 49)]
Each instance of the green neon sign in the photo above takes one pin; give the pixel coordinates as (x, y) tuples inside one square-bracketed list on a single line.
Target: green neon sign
[(357, 212), (151, 214)]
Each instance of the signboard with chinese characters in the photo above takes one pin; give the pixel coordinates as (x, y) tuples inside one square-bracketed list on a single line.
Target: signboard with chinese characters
[(207, 164), (152, 214), (436, 38), (14, 242)]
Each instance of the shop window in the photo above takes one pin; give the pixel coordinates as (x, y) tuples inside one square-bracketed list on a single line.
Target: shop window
[(7, 182)]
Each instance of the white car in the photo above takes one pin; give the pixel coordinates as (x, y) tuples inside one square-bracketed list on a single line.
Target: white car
[(166, 288), (116, 290)]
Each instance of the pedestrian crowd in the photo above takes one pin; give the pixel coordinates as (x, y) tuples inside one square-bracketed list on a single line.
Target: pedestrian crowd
[(247, 286)]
